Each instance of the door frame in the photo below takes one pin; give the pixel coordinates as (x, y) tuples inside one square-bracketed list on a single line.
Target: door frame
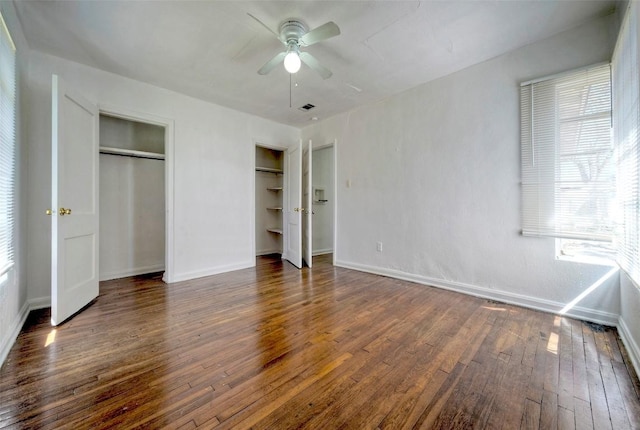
[(264, 143), (334, 144), (168, 124)]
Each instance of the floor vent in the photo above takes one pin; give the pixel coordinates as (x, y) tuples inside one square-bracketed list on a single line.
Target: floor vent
[(598, 328)]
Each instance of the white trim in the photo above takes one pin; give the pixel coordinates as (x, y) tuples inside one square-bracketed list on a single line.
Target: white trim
[(267, 252), (7, 342), (593, 315), (168, 125), (179, 277), (633, 349), (132, 272), (30, 305), (335, 200), (39, 303), (322, 252)]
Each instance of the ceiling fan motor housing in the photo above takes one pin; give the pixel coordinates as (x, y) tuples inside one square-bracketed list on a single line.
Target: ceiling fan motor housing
[(291, 30)]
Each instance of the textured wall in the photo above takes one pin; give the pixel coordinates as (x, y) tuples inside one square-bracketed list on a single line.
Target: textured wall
[(434, 174), (213, 172)]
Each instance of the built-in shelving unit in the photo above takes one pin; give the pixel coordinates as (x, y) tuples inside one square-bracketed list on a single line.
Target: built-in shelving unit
[(269, 199)]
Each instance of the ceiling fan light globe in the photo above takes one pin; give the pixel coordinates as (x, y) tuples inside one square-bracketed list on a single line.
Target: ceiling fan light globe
[(292, 62)]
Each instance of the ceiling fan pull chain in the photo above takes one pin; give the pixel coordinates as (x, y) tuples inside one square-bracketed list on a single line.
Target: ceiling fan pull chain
[(289, 90)]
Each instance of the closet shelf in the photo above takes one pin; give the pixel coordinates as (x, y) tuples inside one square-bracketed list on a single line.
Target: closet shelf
[(275, 230), (274, 188), (131, 153), (269, 170), (277, 208)]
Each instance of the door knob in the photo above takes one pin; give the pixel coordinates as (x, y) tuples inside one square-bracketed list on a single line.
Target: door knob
[(48, 212), (296, 209), (64, 211)]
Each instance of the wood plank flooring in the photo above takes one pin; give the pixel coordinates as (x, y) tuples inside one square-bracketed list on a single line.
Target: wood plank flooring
[(279, 348)]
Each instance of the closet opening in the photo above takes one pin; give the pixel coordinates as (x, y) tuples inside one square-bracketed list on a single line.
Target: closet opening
[(269, 196), (132, 198)]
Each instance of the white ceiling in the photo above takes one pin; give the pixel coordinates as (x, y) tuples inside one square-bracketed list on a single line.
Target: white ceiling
[(212, 49)]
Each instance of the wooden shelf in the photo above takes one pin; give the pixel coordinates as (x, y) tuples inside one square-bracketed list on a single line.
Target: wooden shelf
[(269, 170), (131, 153), (274, 209), (275, 230), (274, 188)]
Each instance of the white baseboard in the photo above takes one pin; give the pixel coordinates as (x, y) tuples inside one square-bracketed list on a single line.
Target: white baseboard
[(178, 277), (268, 251), (132, 272), (322, 252), (630, 344), (39, 303), (8, 342), (593, 315)]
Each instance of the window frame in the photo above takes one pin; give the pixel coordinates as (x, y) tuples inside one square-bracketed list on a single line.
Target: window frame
[(8, 153), (549, 182)]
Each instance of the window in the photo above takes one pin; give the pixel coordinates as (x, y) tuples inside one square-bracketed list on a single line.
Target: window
[(568, 169), (626, 91), (7, 149)]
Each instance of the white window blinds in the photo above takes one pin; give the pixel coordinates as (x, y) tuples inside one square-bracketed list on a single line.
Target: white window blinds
[(626, 91), (568, 173), (7, 147)]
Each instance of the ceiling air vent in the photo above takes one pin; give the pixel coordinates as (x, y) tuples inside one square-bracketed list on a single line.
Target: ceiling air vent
[(306, 107)]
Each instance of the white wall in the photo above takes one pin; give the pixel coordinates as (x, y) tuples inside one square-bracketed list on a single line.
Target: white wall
[(323, 177), (629, 324), (434, 175), (213, 168), (13, 294)]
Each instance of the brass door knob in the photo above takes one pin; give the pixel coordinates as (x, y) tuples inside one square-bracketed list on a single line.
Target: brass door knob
[(48, 212), (64, 211)]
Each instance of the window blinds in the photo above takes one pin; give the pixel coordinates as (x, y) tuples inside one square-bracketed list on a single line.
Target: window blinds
[(568, 173), (626, 91), (7, 147)]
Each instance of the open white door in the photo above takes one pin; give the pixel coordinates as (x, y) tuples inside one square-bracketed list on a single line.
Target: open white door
[(307, 221), (74, 200), (293, 237)]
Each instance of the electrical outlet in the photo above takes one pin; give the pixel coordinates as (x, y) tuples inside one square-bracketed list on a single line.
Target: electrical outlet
[(379, 246)]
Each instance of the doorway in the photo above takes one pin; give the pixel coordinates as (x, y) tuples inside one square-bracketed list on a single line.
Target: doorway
[(324, 200), (133, 197)]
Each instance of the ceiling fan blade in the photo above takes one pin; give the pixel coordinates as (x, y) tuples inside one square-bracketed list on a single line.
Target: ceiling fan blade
[(325, 31), (271, 64), (265, 26), (311, 61)]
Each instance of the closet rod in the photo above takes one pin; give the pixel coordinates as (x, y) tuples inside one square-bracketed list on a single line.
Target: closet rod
[(131, 153)]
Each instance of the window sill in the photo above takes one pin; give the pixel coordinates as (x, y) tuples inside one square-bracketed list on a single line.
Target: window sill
[(585, 259)]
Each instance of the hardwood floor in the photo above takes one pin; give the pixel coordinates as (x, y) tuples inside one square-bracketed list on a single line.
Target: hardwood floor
[(277, 348)]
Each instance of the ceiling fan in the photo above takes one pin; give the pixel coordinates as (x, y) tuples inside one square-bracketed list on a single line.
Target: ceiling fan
[(294, 35)]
